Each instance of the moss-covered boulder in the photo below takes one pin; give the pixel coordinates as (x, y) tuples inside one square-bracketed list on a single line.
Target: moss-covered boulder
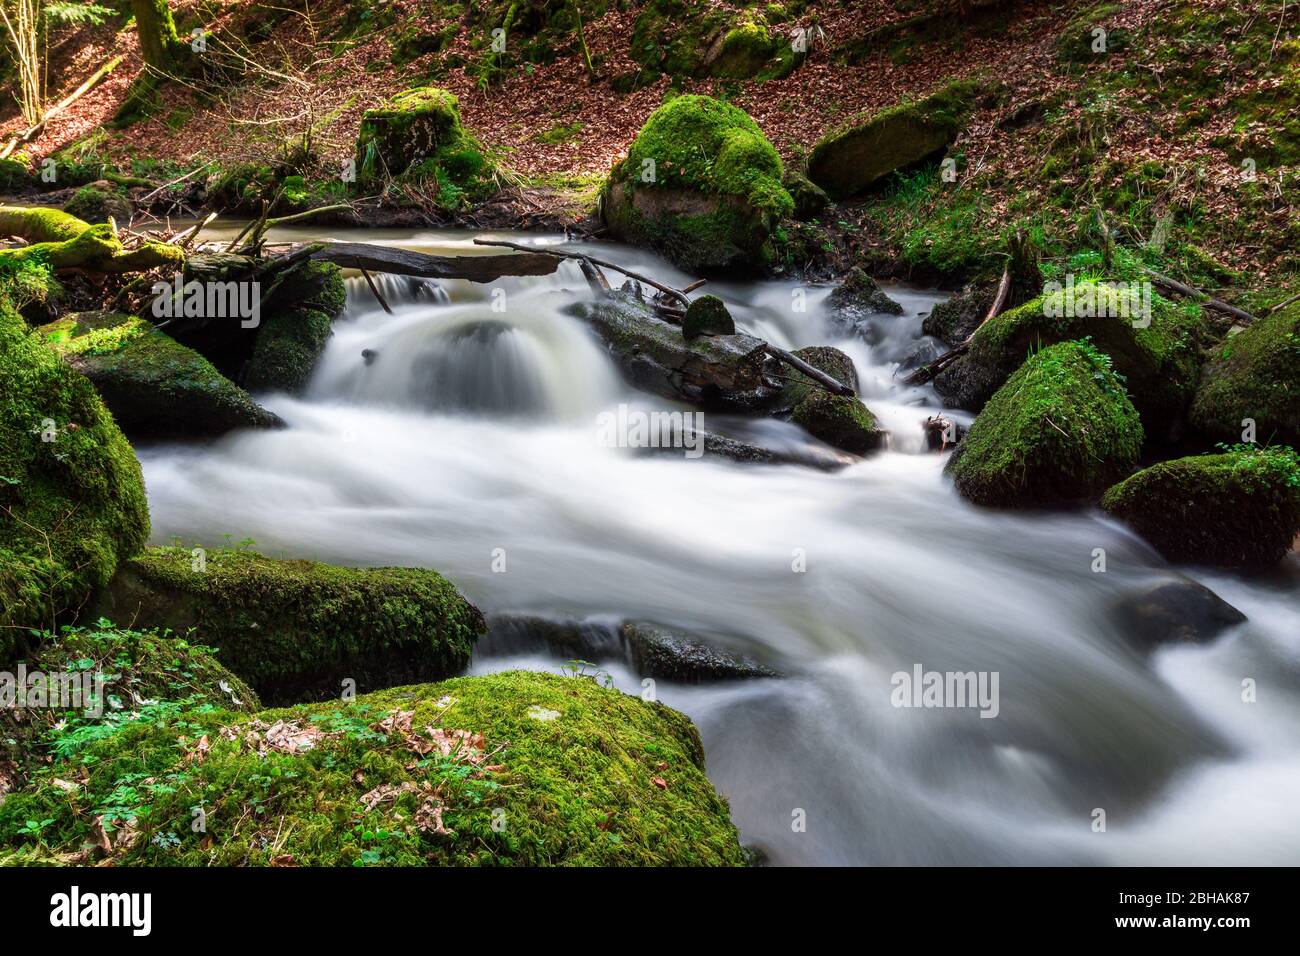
[(809, 198), (72, 502), (707, 315), (295, 630), (154, 386), (1059, 432), (742, 51), (293, 335), (1238, 509), (418, 135), (701, 184), (1254, 375), (100, 202), (517, 768), (839, 420), (1157, 354), (851, 160)]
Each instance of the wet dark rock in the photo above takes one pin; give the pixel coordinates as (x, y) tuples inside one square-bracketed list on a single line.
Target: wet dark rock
[(707, 315), (1177, 611), (942, 433), (953, 321), (657, 652), (716, 371), (923, 353)]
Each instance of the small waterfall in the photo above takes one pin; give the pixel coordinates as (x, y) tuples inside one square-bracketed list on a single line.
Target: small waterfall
[(523, 357), (396, 290)]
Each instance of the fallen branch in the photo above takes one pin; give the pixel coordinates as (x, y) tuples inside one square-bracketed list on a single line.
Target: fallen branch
[(179, 179), (375, 289), (666, 290), (1183, 289), (407, 262), (831, 383)]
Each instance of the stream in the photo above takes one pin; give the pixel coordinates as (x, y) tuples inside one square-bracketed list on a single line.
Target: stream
[(474, 428)]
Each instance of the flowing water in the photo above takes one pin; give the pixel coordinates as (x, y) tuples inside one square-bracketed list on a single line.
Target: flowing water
[(471, 426)]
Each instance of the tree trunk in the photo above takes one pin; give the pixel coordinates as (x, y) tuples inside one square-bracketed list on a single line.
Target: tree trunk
[(157, 29)]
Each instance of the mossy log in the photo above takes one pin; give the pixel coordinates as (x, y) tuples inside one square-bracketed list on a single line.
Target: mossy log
[(66, 242)]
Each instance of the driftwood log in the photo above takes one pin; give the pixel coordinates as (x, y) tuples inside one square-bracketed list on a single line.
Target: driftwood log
[(407, 262)]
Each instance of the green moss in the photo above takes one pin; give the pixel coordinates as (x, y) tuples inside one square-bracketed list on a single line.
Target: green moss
[(98, 205), (72, 501), (1159, 362), (1060, 431), (15, 176), (701, 183), (417, 135), (1254, 375), (852, 159), (297, 629), (745, 50), (550, 771), (839, 420), (155, 387), (1238, 509), (707, 315), (140, 669), (302, 306)]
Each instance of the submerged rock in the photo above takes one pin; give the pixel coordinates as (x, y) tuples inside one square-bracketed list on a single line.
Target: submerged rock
[(297, 630), (1240, 509), (1176, 611), (848, 162), (1254, 376), (700, 184), (579, 775), (657, 652), (858, 304), (155, 387), (839, 420), (72, 502), (1059, 432)]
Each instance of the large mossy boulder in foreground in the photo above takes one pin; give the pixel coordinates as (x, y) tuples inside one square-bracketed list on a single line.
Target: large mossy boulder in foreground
[(296, 630), (155, 387), (839, 420), (1254, 375), (1156, 354), (517, 768), (1238, 509), (418, 135), (72, 502), (1059, 432), (700, 184), (849, 161)]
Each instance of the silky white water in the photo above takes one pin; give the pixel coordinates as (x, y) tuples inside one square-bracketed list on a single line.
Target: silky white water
[(469, 436)]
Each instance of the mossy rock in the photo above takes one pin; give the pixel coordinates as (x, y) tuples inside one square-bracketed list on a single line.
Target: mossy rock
[(16, 177), (1059, 432), (741, 52), (673, 36), (839, 420), (72, 502), (1254, 375), (849, 161), (418, 134), (154, 386), (1239, 509), (291, 339), (707, 315), (95, 203), (296, 629), (701, 184), (1158, 362), (517, 768), (809, 198), (141, 670)]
